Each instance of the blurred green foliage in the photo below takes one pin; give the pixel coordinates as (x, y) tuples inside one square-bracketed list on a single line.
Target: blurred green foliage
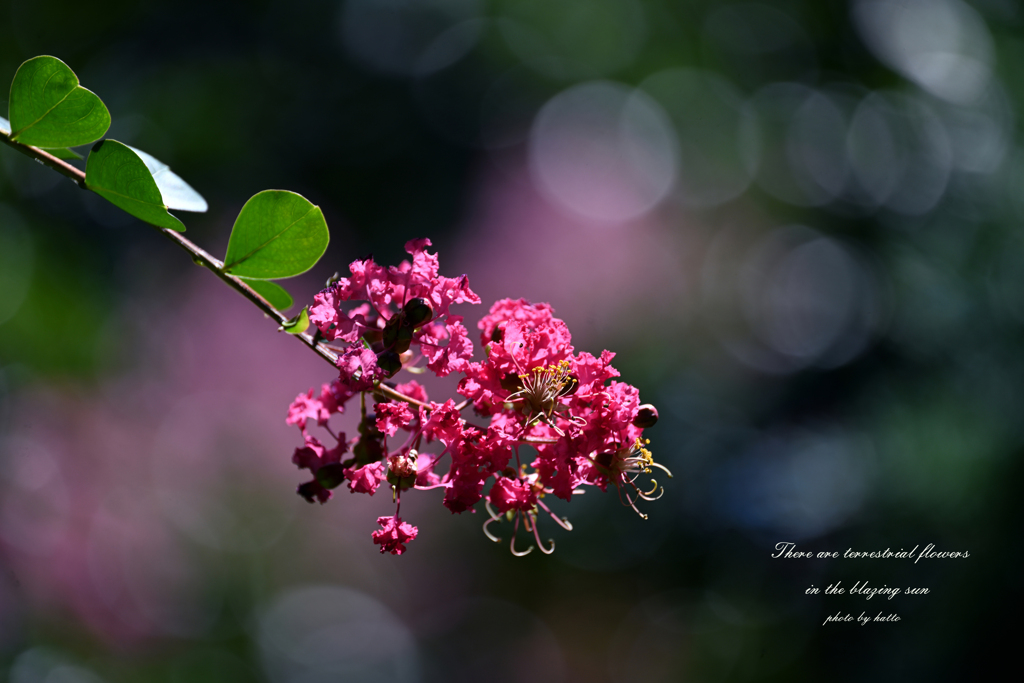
[(900, 428)]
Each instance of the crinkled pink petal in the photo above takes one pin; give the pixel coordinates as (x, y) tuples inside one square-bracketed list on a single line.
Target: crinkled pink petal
[(365, 479), (394, 534), (358, 368), (512, 494), (310, 455), (462, 493), (530, 315), (556, 474), (305, 407), (392, 416), (444, 424), (325, 313), (453, 357)]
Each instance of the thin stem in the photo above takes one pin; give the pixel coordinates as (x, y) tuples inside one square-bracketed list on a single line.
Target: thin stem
[(399, 396), (47, 159), (199, 255)]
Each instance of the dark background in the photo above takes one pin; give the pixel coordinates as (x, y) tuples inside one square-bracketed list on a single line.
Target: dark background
[(797, 224)]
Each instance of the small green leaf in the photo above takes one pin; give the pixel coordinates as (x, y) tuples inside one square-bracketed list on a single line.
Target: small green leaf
[(276, 295), (177, 194), (62, 152), (120, 176), (48, 108), (277, 234), (296, 325)]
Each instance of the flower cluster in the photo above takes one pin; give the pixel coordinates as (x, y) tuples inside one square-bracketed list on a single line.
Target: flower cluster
[(544, 419)]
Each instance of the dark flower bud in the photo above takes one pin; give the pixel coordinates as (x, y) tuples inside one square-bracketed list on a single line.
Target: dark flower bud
[(390, 333), (403, 339), (331, 476), (389, 362), (418, 312), (646, 416)]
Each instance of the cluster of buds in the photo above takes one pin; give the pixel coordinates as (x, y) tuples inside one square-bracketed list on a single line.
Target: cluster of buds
[(542, 419)]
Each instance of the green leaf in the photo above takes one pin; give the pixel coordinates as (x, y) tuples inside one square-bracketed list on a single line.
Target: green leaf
[(277, 234), (276, 295), (59, 152), (296, 325), (177, 194), (49, 109), (120, 176), (62, 152)]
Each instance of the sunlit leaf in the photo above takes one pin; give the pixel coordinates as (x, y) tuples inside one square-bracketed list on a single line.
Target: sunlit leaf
[(176, 193), (277, 234), (59, 152), (276, 295), (119, 175), (48, 108), (298, 324)]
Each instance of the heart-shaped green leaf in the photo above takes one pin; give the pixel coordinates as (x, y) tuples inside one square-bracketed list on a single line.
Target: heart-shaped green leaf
[(49, 109), (276, 295), (176, 193), (119, 175), (277, 234)]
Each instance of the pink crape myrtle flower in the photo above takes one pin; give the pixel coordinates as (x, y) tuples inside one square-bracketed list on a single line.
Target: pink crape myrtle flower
[(394, 534), (530, 391)]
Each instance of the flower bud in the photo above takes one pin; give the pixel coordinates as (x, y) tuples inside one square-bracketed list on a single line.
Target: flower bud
[(403, 339), (418, 312), (390, 333), (646, 416), (389, 362), (402, 470)]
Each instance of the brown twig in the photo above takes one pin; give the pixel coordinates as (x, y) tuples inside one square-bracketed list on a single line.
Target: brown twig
[(202, 257), (199, 255)]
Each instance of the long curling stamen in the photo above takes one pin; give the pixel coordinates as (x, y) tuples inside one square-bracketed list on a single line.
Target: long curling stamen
[(624, 466), (512, 545), (540, 545), (492, 517)]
